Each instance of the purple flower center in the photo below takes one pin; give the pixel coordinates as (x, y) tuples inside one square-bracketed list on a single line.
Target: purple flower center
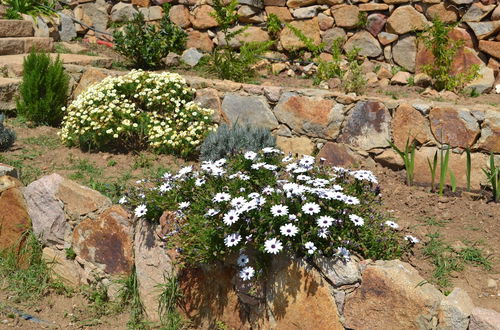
[(273, 246)]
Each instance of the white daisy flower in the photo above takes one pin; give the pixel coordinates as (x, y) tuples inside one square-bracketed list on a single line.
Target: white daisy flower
[(392, 224), (123, 200), (325, 221), (247, 273), (238, 202), (323, 233), (140, 210), (357, 220), (292, 217), (287, 159), (310, 247), (343, 253), (289, 230), (199, 182), (253, 195), (306, 161), (167, 176), (231, 217), (212, 212), (232, 239), (221, 197), (142, 196), (220, 162), (270, 167), (412, 239), (250, 155), (320, 182), (311, 208), (270, 150), (243, 177), (279, 210), (351, 200), (303, 177), (185, 170), (268, 190), (273, 246), (165, 187), (242, 260), (291, 167), (184, 205), (257, 166)]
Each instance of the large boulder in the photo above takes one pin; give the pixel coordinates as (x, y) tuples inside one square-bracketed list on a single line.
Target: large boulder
[(312, 116), (484, 319), (367, 126), (367, 44), (404, 52), (409, 124), (406, 19), (55, 204), (485, 29), (392, 296), (455, 310), (179, 15), (245, 109), (455, 127), (337, 154), (310, 28), (490, 47), (346, 16), (202, 18), (489, 139), (123, 12), (444, 12), (92, 14), (14, 218), (300, 145), (209, 98)]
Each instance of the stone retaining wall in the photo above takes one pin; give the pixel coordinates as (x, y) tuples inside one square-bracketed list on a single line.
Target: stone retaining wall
[(389, 34)]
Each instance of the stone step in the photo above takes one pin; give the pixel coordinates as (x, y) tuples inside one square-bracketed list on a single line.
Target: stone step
[(15, 28), (11, 46), (13, 64)]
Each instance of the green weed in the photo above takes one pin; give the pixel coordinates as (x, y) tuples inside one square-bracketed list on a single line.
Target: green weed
[(408, 156), (168, 302), (493, 175)]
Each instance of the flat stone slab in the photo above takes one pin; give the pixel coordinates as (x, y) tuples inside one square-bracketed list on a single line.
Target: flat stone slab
[(15, 28)]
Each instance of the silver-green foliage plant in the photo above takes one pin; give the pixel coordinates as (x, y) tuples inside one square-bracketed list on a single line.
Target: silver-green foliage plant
[(7, 136), (230, 140)]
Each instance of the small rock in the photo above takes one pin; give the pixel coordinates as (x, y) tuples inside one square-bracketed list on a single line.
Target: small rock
[(191, 56), (422, 80), (484, 319), (400, 78), (172, 59)]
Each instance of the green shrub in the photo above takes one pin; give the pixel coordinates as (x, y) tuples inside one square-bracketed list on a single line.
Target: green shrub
[(330, 69), (146, 44), (354, 80), (274, 26), (44, 90), (227, 141), (226, 62), (29, 7), (437, 40), (7, 136), (261, 204), (136, 111)]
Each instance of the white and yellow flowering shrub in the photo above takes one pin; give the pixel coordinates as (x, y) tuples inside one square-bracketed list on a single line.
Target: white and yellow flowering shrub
[(135, 111)]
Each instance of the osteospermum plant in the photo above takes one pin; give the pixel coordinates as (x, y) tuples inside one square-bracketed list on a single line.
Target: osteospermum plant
[(136, 111), (259, 205)]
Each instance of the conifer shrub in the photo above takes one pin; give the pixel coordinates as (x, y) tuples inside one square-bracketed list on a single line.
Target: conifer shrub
[(227, 141), (44, 90), (7, 136)]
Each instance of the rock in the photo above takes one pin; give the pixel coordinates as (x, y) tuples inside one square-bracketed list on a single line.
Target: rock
[(422, 80), (489, 139), (384, 73), (376, 23), (391, 296), (14, 218), (191, 56), (299, 3), (69, 271), (461, 34), (179, 15), (306, 12), (7, 170), (455, 127), (277, 68), (483, 83), (251, 34), (483, 30), (252, 110), (339, 273), (54, 202), (209, 98), (392, 2), (277, 3), (484, 319), (92, 15), (477, 11), (406, 19), (490, 47), (293, 306), (367, 126), (295, 145), (400, 78), (151, 265), (273, 93), (337, 154), (253, 3), (67, 31), (367, 44), (346, 16), (331, 35), (312, 116), (373, 7), (199, 40), (404, 52), (495, 16), (106, 241), (90, 77), (282, 13), (325, 22), (153, 13), (455, 310), (15, 28), (409, 124), (172, 59), (248, 14), (202, 18), (462, 2), (389, 158), (462, 62), (446, 13), (123, 12), (309, 28)]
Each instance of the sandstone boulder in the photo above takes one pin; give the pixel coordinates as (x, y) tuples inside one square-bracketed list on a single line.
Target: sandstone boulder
[(367, 44), (300, 145), (252, 110), (202, 18), (406, 19), (485, 29), (452, 126), (442, 11), (14, 218), (490, 47), (490, 132), (179, 15), (484, 319), (409, 124), (404, 52), (199, 40), (337, 154), (346, 16), (309, 28), (123, 12), (455, 310)]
